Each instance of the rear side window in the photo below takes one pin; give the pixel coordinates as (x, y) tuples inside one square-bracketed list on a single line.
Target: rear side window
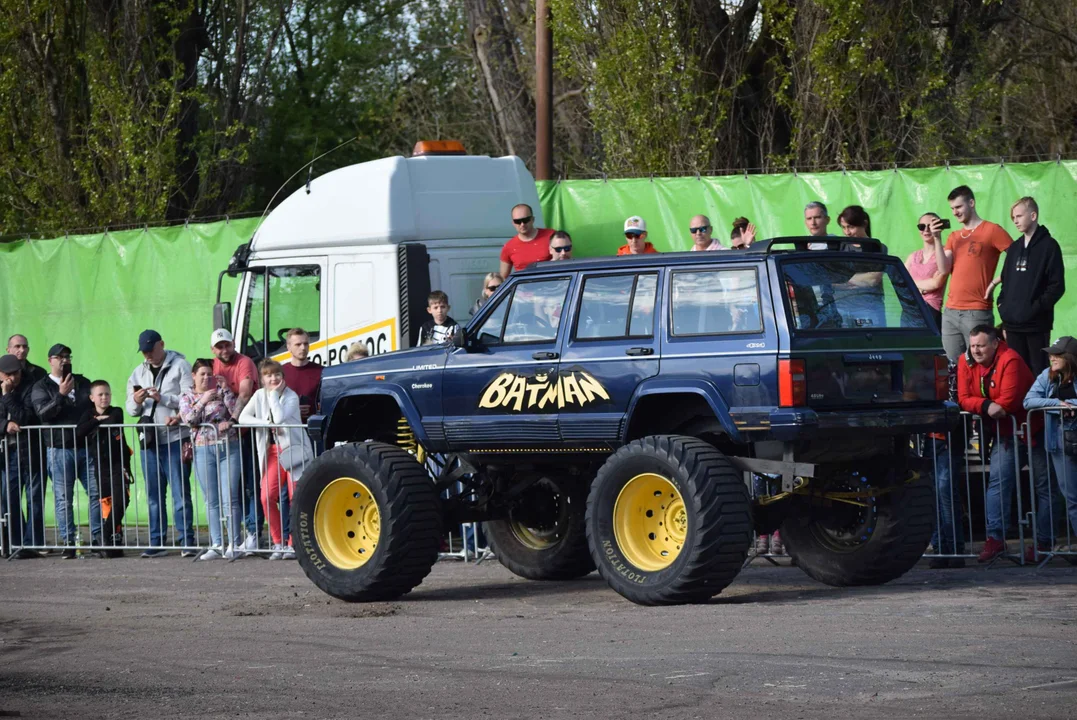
[(716, 302), (617, 306), (853, 294)]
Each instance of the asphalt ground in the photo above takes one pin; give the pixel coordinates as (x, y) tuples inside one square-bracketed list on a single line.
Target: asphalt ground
[(168, 638)]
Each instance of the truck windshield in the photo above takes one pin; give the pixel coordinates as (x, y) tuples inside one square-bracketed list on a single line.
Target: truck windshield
[(860, 293)]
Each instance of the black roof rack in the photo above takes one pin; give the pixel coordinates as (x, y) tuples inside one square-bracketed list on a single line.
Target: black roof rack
[(801, 244)]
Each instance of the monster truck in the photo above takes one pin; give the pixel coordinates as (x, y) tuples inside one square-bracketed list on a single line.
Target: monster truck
[(642, 415)]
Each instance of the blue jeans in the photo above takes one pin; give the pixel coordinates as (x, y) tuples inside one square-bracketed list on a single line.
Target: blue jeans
[(1066, 471), (64, 464), (162, 466), (21, 475), (949, 536), (1006, 458), (217, 468)]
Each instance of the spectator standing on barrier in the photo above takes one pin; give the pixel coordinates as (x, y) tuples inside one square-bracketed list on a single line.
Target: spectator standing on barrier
[(636, 237), (1033, 280), (529, 245), (1056, 391), (561, 246), (153, 395), (60, 398), (111, 458), (19, 346), (926, 264), (700, 230), (241, 377), (490, 284), (208, 408), (18, 471), (975, 248), (440, 327), (283, 452), (992, 382)]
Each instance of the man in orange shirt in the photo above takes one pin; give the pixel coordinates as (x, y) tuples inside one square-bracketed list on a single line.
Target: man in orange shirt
[(636, 236), (976, 246)]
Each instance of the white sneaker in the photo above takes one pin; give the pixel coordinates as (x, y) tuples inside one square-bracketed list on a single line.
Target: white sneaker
[(231, 553), (288, 553), (278, 552), (210, 554), (251, 543)]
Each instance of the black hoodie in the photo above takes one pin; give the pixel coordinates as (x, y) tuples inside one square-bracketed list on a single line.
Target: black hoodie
[(1033, 280)]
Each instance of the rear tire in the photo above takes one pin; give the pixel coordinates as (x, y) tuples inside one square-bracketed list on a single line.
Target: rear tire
[(367, 522), (544, 537), (843, 545), (668, 520)]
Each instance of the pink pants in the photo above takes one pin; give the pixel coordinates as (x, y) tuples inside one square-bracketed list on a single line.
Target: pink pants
[(271, 492)]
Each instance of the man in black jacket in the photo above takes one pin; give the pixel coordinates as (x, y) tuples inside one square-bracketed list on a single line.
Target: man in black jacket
[(1032, 280), (19, 346), (60, 399), (17, 472)]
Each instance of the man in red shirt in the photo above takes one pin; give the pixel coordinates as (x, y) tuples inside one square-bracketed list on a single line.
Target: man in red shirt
[(529, 245), (636, 238), (992, 381), (241, 376), (300, 374), (976, 247)]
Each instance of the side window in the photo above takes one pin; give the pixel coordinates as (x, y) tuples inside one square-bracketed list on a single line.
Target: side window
[(294, 300), (617, 306), (490, 331), (535, 311), (714, 302)]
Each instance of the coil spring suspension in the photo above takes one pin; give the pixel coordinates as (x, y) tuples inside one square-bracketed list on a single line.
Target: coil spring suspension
[(405, 437)]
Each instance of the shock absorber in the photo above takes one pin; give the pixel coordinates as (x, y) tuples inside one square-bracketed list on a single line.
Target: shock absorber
[(405, 437)]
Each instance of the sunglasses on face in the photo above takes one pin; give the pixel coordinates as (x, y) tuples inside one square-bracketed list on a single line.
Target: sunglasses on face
[(563, 248), (492, 288), (523, 220), (922, 226), (700, 229), (633, 236)]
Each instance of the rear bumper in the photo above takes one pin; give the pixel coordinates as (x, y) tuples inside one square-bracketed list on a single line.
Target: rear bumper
[(797, 423)]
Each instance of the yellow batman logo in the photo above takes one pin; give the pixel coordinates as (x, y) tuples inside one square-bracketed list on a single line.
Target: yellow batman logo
[(517, 392)]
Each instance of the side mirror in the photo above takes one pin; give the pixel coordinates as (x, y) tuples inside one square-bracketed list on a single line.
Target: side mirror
[(222, 316), (460, 339)]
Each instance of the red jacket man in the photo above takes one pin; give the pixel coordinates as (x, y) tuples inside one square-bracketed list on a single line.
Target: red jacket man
[(992, 381)]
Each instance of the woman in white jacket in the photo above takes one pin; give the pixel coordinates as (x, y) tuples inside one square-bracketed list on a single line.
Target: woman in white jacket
[(283, 453)]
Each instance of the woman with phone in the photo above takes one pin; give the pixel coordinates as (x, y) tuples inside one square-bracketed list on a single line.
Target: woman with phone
[(208, 409), (926, 264)]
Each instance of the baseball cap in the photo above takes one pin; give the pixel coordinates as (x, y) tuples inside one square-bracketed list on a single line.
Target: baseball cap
[(635, 223), (1063, 345), (220, 335), (59, 349), (9, 364), (148, 339)]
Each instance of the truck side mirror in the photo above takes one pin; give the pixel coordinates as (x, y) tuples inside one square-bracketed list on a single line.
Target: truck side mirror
[(460, 339), (222, 316)]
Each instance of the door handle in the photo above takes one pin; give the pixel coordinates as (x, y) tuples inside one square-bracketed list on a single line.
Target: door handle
[(545, 355), (639, 351)]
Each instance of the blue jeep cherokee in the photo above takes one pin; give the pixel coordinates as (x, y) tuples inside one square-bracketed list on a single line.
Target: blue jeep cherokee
[(642, 415)]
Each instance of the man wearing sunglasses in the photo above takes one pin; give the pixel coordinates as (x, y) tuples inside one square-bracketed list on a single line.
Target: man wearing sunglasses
[(561, 246), (529, 245), (700, 228), (636, 238)]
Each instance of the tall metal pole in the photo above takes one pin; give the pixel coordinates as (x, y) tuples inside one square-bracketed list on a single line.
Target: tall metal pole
[(543, 92)]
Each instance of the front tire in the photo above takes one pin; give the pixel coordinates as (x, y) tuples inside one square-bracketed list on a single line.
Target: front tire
[(846, 545), (668, 520), (367, 521), (544, 537)]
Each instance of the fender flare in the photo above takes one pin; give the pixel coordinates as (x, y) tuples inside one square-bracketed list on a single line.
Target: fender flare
[(403, 401), (693, 386)]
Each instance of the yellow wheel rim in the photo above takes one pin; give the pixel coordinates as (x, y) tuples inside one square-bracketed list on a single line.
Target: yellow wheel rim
[(650, 522), (347, 523)]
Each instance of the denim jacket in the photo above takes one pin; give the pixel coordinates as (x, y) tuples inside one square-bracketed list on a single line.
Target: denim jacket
[(1044, 394)]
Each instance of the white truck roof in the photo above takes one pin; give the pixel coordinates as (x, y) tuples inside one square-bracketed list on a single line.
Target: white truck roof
[(396, 200)]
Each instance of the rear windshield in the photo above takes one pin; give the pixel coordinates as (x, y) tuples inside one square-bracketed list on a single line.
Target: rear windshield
[(853, 294)]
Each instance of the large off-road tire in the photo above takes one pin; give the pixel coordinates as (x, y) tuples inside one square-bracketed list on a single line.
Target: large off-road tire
[(668, 520), (366, 522), (842, 544), (544, 537)]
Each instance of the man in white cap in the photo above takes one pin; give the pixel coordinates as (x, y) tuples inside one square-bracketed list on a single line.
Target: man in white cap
[(241, 376), (636, 238)]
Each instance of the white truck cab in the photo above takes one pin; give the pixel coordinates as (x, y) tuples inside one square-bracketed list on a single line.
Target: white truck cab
[(353, 255)]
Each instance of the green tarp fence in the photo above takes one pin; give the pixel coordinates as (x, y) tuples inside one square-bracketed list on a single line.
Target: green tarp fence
[(97, 292)]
